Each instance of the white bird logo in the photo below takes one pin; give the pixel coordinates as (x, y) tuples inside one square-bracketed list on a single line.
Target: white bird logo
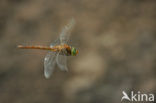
[(125, 96)]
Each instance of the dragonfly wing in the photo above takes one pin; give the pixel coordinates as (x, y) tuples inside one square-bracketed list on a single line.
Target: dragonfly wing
[(62, 62), (49, 64), (56, 42), (65, 34)]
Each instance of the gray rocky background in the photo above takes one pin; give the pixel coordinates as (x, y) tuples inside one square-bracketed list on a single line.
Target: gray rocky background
[(117, 50)]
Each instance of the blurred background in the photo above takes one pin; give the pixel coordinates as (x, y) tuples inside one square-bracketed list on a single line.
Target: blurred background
[(116, 40)]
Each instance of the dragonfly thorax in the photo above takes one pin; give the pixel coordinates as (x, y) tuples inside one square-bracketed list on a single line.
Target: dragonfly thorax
[(67, 50)]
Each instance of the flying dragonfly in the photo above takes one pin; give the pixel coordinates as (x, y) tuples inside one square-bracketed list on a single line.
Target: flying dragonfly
[(58, 51)]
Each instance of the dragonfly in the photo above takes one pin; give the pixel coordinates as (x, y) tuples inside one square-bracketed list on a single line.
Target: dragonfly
[(58, 51)]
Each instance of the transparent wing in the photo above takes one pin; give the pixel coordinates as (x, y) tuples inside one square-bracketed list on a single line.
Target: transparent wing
[(56, 42), (65, 34), (49, 64), (62, 62)]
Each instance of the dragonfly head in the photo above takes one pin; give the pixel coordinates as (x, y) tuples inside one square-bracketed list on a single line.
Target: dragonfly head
[(74, 51)]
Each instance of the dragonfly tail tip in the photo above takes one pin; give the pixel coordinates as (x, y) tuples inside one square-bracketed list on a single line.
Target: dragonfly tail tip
[(19, 46)]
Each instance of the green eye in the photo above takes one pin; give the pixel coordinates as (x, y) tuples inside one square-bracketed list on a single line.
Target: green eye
[(73, 51)]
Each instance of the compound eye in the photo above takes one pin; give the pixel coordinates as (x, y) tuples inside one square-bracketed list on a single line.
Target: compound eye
[(73, 52)]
